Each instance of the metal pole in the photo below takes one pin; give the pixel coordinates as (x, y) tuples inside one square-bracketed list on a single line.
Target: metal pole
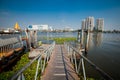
[(84, 74), (87, 42), (37, 68), (79, 65), (75, 62), (44, 64)]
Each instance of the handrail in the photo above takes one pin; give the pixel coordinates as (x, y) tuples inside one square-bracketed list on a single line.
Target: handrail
[(104, 74), (47, 51)]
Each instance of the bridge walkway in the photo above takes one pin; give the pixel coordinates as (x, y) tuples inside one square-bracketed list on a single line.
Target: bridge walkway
[(59, 66)]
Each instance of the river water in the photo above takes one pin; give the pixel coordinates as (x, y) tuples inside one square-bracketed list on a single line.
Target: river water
[(103, 50)]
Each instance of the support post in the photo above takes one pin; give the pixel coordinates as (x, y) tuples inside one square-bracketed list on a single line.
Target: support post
[(78, 36), (87, 42), (82, 37)]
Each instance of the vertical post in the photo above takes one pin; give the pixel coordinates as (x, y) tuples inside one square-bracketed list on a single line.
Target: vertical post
[(82, 37), (78, 36), (71, 55), (37, 68), (87, 42), (48, 37), (35, 35), (84, 74), (68, 49), (79, 65), (28, 41), (26, 32), (43, 67), (75, 61)]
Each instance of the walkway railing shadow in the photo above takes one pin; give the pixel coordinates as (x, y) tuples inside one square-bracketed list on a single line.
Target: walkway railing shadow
[(40, 64), (69, 71), (73, 53)]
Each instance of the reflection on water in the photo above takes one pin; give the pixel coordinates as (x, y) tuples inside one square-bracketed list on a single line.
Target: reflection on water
[(98, 39), (103, 50), (95, 39)]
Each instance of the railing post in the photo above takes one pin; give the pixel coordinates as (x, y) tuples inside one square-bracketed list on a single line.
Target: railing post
[(79, 65), (37, 68), (21, 77), (43, 67), (75, 61), (71, 55), (68, 50), (47, 55), (84, 74)]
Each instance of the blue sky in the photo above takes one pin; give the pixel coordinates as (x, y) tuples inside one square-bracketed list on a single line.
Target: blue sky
[(58, 13)]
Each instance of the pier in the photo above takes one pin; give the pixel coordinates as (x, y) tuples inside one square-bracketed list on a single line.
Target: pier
[(59, 66), (59, 62)]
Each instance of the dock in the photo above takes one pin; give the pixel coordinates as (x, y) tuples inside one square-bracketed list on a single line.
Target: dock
[(59, 63), (59, 67)]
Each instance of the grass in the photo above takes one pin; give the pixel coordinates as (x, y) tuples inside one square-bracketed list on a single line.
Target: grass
[(61, 40), (29, 72)]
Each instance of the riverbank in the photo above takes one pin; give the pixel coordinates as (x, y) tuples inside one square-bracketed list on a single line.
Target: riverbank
[(29, 72)]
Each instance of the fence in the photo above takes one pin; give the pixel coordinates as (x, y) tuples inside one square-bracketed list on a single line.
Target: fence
[(46, 53), (73, 52)]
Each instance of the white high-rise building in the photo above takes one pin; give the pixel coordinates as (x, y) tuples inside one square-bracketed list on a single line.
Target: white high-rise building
[(100, 24), (83, 25), (89, 23)]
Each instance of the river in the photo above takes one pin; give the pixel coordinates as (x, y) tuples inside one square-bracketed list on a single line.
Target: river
[(104, 51)]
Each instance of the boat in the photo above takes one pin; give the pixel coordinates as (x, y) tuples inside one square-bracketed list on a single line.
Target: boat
[(11, 46)]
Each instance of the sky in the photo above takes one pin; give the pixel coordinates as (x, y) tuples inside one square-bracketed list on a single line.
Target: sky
[(58, 13)]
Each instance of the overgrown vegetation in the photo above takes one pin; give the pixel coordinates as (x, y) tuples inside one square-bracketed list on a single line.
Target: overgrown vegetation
[(61, 40), (29, 72)]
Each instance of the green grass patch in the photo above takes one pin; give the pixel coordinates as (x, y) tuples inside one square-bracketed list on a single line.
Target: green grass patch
[(61, 40), (29, 72)]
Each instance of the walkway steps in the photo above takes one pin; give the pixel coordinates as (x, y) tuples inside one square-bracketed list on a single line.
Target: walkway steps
[(59, 66)]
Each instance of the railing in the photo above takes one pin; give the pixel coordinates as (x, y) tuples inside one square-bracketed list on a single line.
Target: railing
[(46, 54), (72, 52)]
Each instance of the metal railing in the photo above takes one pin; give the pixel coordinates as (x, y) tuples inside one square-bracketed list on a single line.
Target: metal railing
[(72, 52), (46, 54)]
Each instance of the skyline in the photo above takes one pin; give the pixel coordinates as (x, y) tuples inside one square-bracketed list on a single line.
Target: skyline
[(58, 13)]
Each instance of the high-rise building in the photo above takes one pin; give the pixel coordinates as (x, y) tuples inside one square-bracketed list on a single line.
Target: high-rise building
[(100, 24), (83, 24), (90, 23)]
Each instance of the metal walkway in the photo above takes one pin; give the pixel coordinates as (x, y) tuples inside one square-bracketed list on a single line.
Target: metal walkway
[(59, 66)]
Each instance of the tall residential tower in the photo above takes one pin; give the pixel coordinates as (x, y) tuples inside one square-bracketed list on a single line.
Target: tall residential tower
[(100, 24), (83, 24), (88, 24)]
